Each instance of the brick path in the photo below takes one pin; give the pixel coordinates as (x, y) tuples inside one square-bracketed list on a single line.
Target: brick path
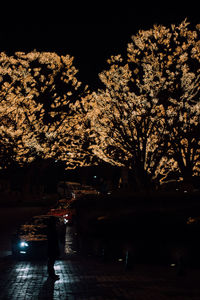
[(87, 279)]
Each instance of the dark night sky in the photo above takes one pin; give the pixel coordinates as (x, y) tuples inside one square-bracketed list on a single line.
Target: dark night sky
[(91, 36)]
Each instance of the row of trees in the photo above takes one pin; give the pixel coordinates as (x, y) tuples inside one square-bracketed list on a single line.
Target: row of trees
[(146, 117)]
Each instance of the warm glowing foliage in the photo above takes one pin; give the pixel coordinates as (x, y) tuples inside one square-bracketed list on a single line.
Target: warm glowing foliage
[(167, 61), (128, 129), (37, 91), (147, 117)]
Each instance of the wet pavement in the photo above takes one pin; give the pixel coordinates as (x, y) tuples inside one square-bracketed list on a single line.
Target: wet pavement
[(90, 279)]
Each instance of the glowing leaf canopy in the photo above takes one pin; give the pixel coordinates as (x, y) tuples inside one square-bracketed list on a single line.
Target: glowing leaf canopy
[(147, 116), (38, 95)]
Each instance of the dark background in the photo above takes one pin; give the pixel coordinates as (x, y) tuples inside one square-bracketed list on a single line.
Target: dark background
[(91, 32)]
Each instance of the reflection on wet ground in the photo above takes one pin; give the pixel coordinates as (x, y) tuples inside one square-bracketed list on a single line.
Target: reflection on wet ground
[(70, 240)]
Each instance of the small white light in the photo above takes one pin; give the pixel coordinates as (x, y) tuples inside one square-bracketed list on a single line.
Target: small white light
[(66, 215), (173, 265), (23, 252), (23, 244)]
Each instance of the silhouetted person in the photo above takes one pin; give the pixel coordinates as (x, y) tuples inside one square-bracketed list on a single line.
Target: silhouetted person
[(52, 247), (181, 270)]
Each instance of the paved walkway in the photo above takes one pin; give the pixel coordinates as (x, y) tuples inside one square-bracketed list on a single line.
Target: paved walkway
[(88, 279)]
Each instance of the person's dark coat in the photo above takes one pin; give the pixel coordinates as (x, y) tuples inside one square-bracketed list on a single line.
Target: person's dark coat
[(52, 239)]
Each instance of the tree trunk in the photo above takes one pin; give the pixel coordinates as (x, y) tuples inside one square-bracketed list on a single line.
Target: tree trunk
[(142, 179)]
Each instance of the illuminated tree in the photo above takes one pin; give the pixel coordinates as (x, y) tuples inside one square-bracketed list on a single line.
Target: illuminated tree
[(20, 115), (37, 92), (128, 129), (147, 116), (166, 62)]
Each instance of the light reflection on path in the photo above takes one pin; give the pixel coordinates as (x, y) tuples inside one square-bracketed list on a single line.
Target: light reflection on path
[(70, 240)]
